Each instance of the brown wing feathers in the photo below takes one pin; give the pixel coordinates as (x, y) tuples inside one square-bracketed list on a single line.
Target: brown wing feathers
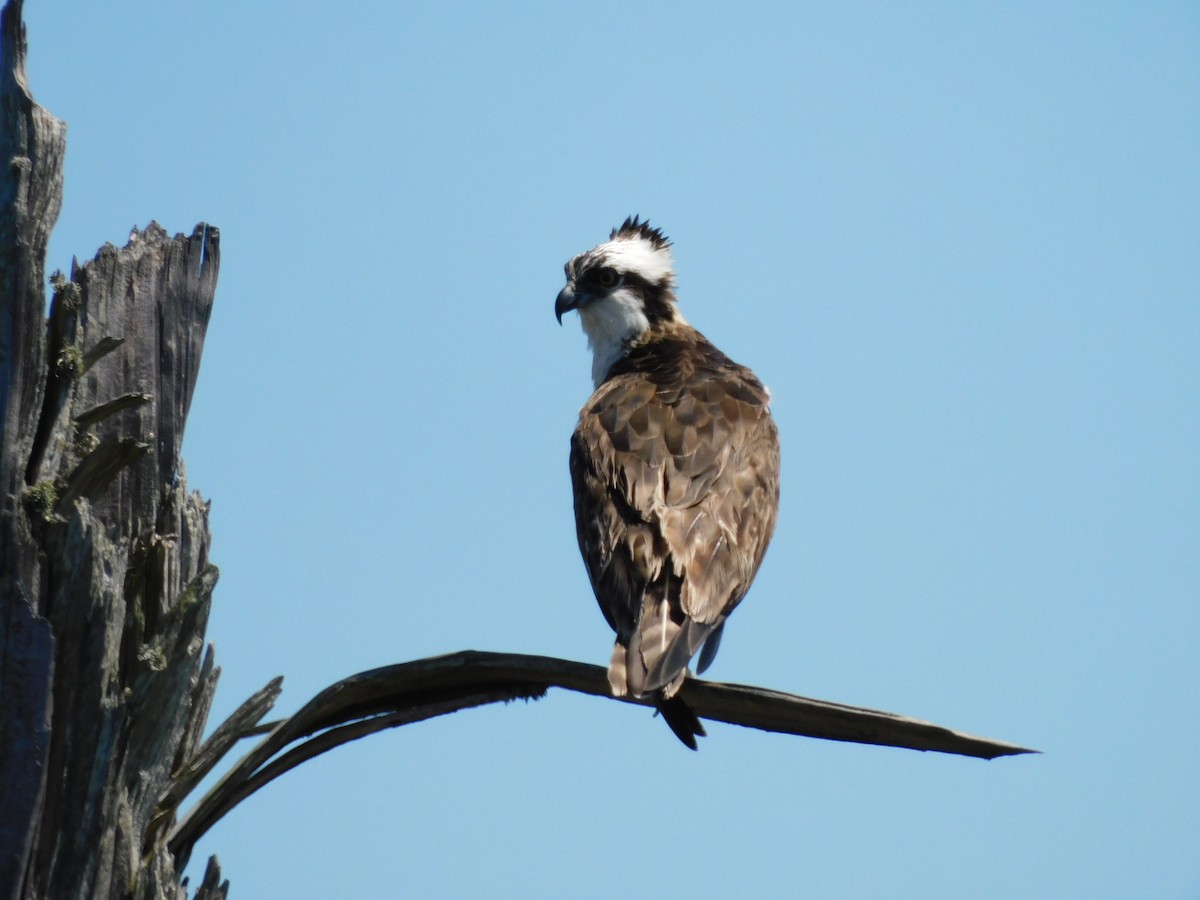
[(675, 470)]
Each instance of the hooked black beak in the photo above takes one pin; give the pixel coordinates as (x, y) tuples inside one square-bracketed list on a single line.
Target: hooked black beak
[(567, 301)]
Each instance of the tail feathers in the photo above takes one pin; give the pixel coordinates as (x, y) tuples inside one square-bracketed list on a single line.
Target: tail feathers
[(708, 652), (682, 720), (664, 660)]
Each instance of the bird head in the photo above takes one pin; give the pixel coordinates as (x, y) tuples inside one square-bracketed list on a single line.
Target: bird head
[(620, 288)]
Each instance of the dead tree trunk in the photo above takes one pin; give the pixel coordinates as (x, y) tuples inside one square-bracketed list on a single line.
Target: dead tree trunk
[(104, 571)]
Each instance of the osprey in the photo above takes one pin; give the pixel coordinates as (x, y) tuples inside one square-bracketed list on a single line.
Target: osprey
[(675, 470)]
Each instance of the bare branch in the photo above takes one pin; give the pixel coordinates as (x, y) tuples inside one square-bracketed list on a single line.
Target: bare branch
[(212, 751), (410, 692)]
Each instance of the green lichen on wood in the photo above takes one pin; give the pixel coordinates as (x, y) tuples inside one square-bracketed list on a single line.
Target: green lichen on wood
[(70, 362), (66, 291), (41, 499)]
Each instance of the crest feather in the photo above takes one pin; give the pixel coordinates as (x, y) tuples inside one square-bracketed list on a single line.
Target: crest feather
[(632, 227)]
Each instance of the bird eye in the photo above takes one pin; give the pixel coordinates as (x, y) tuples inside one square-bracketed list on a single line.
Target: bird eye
[(606, 277)]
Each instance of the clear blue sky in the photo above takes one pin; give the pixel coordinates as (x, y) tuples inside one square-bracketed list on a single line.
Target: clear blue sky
[(960, 242)]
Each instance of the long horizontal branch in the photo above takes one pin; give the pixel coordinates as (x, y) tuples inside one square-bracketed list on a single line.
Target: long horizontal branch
[(409, 692)]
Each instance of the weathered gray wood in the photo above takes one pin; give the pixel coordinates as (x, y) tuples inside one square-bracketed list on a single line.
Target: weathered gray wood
[(409, 692), (105, 581), (125, 554), (212, 887), (32, 143)]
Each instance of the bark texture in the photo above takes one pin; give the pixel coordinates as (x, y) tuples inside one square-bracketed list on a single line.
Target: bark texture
[(105, 580)]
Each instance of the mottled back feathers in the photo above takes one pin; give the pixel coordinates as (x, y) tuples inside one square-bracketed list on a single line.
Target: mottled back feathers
[(675, 466)]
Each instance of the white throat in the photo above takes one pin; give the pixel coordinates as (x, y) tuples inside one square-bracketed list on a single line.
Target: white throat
[(608, 324)]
